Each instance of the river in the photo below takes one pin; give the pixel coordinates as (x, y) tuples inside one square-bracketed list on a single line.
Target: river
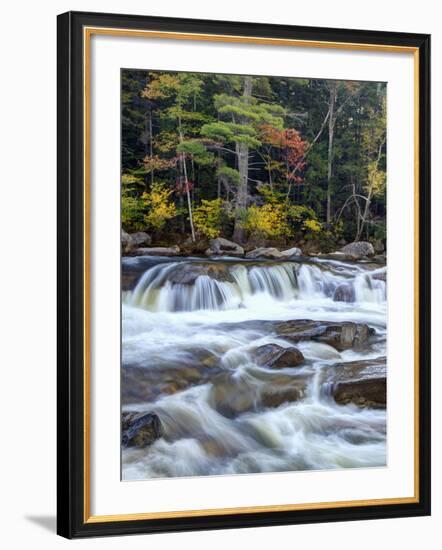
[(191, 329)]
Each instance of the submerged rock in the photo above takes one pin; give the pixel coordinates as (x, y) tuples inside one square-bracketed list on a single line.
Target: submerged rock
[(159, 251), (363, 383), (140, 429), (341, 336), (277, 357), (344, 293), (224, 247), (187, 273), (358, 249), (232, 396)]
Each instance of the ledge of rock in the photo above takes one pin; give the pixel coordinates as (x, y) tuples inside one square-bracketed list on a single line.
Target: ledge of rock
[(224, 247), (341, 336), (273, 253), (187, 273), (159, 251), (363, 383), (277, 357), (140, 429)]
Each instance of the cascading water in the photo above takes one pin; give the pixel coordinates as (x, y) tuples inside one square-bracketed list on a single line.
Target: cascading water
[(190, 334), (282, 282)]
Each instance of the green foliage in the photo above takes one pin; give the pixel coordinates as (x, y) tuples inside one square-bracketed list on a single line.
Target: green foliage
[(191, 130), (209, 217)]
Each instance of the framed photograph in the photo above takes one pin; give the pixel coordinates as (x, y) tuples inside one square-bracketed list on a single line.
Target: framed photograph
[(243, 274)]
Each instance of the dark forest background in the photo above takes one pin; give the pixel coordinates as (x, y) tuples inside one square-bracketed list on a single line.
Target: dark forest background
[(259, 160)]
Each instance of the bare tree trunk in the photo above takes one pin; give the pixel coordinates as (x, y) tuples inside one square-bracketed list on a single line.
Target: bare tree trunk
[(186, 181), (242, 153), (331, 128)]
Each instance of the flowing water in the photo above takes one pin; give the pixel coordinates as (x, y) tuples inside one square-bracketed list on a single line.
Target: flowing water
[(190, 330)]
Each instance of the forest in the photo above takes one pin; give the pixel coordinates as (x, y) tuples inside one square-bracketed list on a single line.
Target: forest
[(258, 160)]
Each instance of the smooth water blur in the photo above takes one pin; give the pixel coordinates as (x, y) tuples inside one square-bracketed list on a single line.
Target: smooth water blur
[(220, 424)]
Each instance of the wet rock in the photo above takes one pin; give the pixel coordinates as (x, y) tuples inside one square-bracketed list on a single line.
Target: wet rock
[(159, 251), (277, 357), (224, 247), (263, 252), (379, 259), (358, 249), (140, 429), (148, 383), (363, 383), (380, 276), (344, 293), (341, 336), (291, 253), (339, 256), (186, 274), (232, 396)]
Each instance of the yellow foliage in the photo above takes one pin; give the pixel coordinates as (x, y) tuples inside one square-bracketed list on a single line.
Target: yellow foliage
[(312, 225), (208, 218), (160, 208), (269, 220)]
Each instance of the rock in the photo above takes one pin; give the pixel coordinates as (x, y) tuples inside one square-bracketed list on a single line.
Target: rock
[(126, 242), (342, 242), (277, 357), (139, 238), (187, 273), (363, 383), (232, 396), (159, 251), (223, 247), (340, 336), (344, 293), (380, 275), (339, 256), (358, 249), (378, 247), (379, 259), (140, 429), (263, 252), (291, 253)]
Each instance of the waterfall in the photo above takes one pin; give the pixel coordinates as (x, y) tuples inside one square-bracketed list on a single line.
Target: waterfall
[(158, 290)]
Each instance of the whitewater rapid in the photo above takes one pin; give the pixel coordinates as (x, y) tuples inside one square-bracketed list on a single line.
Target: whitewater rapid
[(194, 343)]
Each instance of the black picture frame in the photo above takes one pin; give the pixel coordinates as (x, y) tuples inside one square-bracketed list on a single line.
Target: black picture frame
[(71, 391)]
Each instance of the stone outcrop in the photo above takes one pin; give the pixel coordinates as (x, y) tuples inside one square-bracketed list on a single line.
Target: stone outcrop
[(224, 247), (363, 383), (140, 429), (276, 357)]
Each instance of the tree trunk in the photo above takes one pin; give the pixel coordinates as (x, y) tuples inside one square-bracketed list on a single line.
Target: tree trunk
[(186, 182), (331, 128), (242, 152)]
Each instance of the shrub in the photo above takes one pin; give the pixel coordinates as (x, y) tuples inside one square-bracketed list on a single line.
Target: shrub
[(209, 217)]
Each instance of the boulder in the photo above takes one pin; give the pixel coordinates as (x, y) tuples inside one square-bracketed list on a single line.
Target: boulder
[(232, 396), (363, 383), (358, 249), (140, 429), (140, 238), (263, 252), (378, 247), (345, 292), (187, 273), (277, 357), (159, 251), (126, 242), (291, 253), (341, 336), (223, 247)]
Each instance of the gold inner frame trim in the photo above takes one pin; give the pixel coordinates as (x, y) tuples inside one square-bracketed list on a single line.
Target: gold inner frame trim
[(87, 34)]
